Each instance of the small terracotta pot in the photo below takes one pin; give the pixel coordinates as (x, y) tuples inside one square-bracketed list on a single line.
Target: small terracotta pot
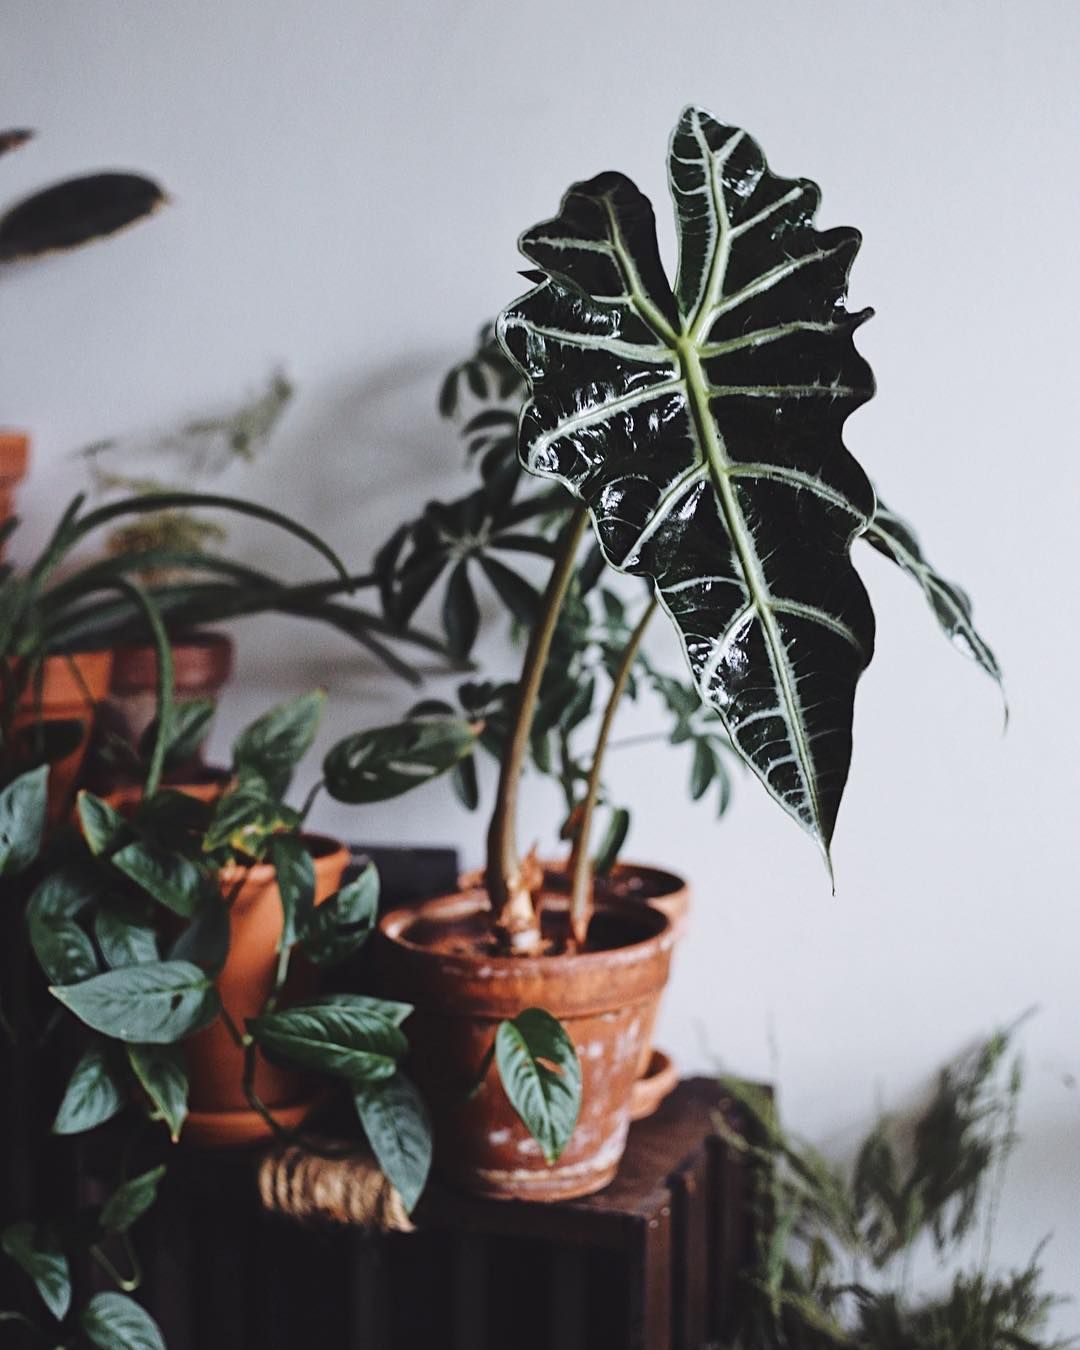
[(72, 688), (433, 957), (14, 457), (220, 1113), (202, 665)]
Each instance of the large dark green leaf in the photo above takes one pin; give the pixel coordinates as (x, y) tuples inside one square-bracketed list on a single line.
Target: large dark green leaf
[(343, 922), (702, 427), (22, 820), (162, 1072), (38, 1252), (952, 607), (351, 1042), (541, 1075), (94, 1094), (160, 1002), (396, 1123), (387, 761), (116, 1322), (170, 878)]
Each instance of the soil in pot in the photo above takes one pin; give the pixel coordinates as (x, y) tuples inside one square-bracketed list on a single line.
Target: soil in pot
[(61, 711), (440, 958), (220, 1113)]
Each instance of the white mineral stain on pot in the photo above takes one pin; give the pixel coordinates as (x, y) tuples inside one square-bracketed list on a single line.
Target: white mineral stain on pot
[(497, 1137)]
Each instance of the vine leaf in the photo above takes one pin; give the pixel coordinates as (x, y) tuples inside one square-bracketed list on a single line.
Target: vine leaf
[(702, 427)]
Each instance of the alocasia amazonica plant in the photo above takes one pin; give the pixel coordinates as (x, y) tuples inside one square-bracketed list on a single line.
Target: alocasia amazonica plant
[(699, 426)]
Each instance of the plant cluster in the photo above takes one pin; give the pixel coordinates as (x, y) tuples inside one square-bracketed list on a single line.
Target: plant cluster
[(834, 1247)]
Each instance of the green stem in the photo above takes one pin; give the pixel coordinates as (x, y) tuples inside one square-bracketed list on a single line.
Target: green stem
[(514, 915), (581, 877)]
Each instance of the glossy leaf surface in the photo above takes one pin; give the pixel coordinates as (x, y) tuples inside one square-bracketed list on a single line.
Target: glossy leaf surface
[(701, 423), (372, 766)]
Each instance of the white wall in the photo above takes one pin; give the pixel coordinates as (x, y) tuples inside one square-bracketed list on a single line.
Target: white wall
[(348, 183)]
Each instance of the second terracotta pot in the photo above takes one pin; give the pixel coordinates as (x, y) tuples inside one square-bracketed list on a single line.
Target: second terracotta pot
[(71, 688), (220, 1113), (14, 456), (436, 957)]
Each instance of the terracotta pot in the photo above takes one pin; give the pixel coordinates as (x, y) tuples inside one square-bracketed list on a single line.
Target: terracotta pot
[(202, 665), (630, 882), (434, 957), (72, 687), (220, 1113), (14, 457)]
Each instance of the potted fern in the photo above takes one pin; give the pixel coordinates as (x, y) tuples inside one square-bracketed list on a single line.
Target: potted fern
[(694, 431)]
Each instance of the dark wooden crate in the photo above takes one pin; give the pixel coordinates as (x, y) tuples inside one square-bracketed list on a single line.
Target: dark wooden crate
[(651, 1263)]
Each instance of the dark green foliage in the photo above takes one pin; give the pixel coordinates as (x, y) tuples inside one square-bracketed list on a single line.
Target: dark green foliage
[(833, 1245)]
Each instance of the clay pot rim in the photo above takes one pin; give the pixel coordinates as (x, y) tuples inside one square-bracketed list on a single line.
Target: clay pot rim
[(14, 456), (566, 965), (325, 851)]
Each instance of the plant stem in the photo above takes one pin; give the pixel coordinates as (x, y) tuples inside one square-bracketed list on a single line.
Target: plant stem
[(515, 918), (581, 877)]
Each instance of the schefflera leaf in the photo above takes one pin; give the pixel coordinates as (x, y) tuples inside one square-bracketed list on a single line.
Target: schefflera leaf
[(701, 424)]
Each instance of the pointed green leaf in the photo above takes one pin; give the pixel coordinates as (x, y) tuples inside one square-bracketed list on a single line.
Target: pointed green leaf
[(162, 1072), (343, 922), (519, 596), (611, 844), (388, 1009), (125, 935), (464, 782), (350, 1042), (61, 946), (187, 731), (296, 884), (94, 1094), (540, 1073), (702, 427), (22, 820), (160, 1002), (116, 1322), (460, 613), (39, 1253), (129, 1202), (372, 766), (103, 827), (396, 1123), (170, 878), (702, 770), (276, 742)]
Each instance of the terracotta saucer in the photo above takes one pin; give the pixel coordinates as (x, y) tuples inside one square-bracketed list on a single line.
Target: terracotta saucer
[(653, 1086), (232, 1129)]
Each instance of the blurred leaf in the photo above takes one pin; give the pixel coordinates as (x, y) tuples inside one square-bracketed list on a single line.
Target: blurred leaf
[(162, 1072), (169, 878), (116, 1322), (347, 1041), (275, 743), (461, 614), (343, 922), (129, 1202), (94, 1094), (22, 820), (384, 762), (36, 1250), (396, 1123)]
